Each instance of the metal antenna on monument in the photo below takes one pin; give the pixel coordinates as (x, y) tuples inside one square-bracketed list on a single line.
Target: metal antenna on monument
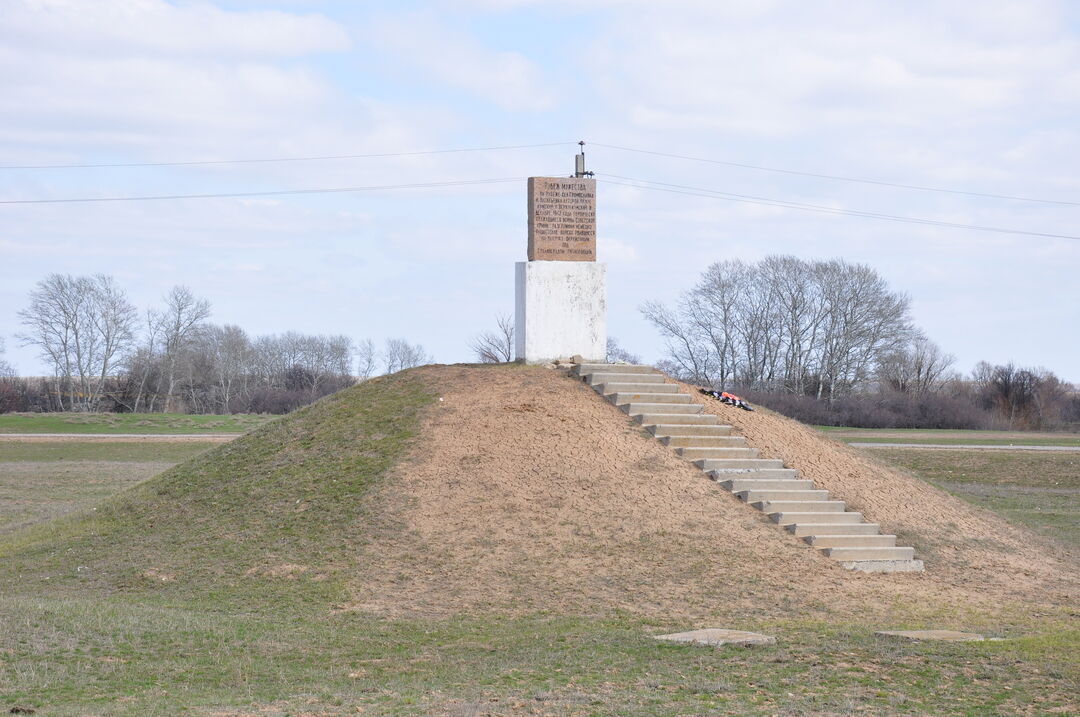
[(579, 163)]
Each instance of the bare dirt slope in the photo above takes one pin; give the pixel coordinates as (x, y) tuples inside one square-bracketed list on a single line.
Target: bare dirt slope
[(527, 491), (962, 544)]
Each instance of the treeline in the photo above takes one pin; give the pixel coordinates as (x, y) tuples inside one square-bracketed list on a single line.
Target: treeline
[(830, 343), (1000, 397), (107, 356)]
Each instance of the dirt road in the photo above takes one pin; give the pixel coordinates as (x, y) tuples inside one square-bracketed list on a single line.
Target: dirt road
[(965, 447)]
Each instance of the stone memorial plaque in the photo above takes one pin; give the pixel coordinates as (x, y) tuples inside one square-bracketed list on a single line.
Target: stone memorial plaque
[(562, 219)]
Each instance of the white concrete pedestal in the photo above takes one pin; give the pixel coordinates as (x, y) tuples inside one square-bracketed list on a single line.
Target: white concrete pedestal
[(560, 310)]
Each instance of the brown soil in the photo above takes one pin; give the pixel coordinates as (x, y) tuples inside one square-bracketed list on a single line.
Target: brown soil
[(527, 491)]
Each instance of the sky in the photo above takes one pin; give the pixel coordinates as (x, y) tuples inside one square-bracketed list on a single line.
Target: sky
[(973, 97)]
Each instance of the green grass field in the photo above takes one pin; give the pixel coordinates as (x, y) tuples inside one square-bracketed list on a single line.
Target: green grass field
[(42, 481), (128, 656), (1038, 490), (153, 597), (175, 423)]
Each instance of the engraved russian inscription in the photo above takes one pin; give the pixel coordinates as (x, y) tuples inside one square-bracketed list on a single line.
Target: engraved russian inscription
[(562, 219)]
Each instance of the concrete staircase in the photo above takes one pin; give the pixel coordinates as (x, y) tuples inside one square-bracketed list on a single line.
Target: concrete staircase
[(791, 501)]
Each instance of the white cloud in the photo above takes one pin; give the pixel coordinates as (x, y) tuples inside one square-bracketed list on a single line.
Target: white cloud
[(149, 81), (981, 97), (505, 78), (139, 27), (616, 251), (800, 69)]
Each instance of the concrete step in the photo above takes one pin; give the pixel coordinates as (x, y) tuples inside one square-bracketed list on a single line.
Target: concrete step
[(736, 485), (684, 431), (723, 475), (753, 495), (596, 379), (610, 387), (691, 419), (722, 464), (851, 541), (869, 553), (815, 517), (792, 502), (638, 398), (635, 408), (806, 527), (728, 452), (884, 566), (583, 369), (703, 441), (797, 506)]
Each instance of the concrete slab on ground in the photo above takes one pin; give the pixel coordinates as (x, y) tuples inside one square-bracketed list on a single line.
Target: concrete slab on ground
[(718, 636), (883, 566)]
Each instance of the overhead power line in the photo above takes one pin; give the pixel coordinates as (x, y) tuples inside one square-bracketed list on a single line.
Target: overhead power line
[(838, 178), (771, 202), (280, 192), (260, 160), (614, 179)]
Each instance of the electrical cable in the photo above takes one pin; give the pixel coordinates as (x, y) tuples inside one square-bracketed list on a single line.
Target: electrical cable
[(838, 178), (280, 192), (283, 159), (767, 201)]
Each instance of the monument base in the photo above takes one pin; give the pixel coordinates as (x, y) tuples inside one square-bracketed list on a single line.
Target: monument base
[(560, 310)]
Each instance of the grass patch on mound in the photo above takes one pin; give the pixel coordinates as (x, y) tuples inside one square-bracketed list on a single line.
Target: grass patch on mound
[(178, 423), (274, 515)]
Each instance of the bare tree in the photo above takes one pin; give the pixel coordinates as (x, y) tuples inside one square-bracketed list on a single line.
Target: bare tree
[(496, 346), (182, 314), (143, 360), (689, 357), (308, 360), (52, 326), (617, 354), (6, 371), (230, 357), (10, 395), (783, 325), (399, 354), (1024, 397), (80, 325), (366, 359), (113, 319), (711, 310), (920, 367), (865, 321), (326, 358)]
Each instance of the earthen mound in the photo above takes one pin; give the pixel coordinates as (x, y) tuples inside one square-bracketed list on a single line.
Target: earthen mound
[(526, 491)]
